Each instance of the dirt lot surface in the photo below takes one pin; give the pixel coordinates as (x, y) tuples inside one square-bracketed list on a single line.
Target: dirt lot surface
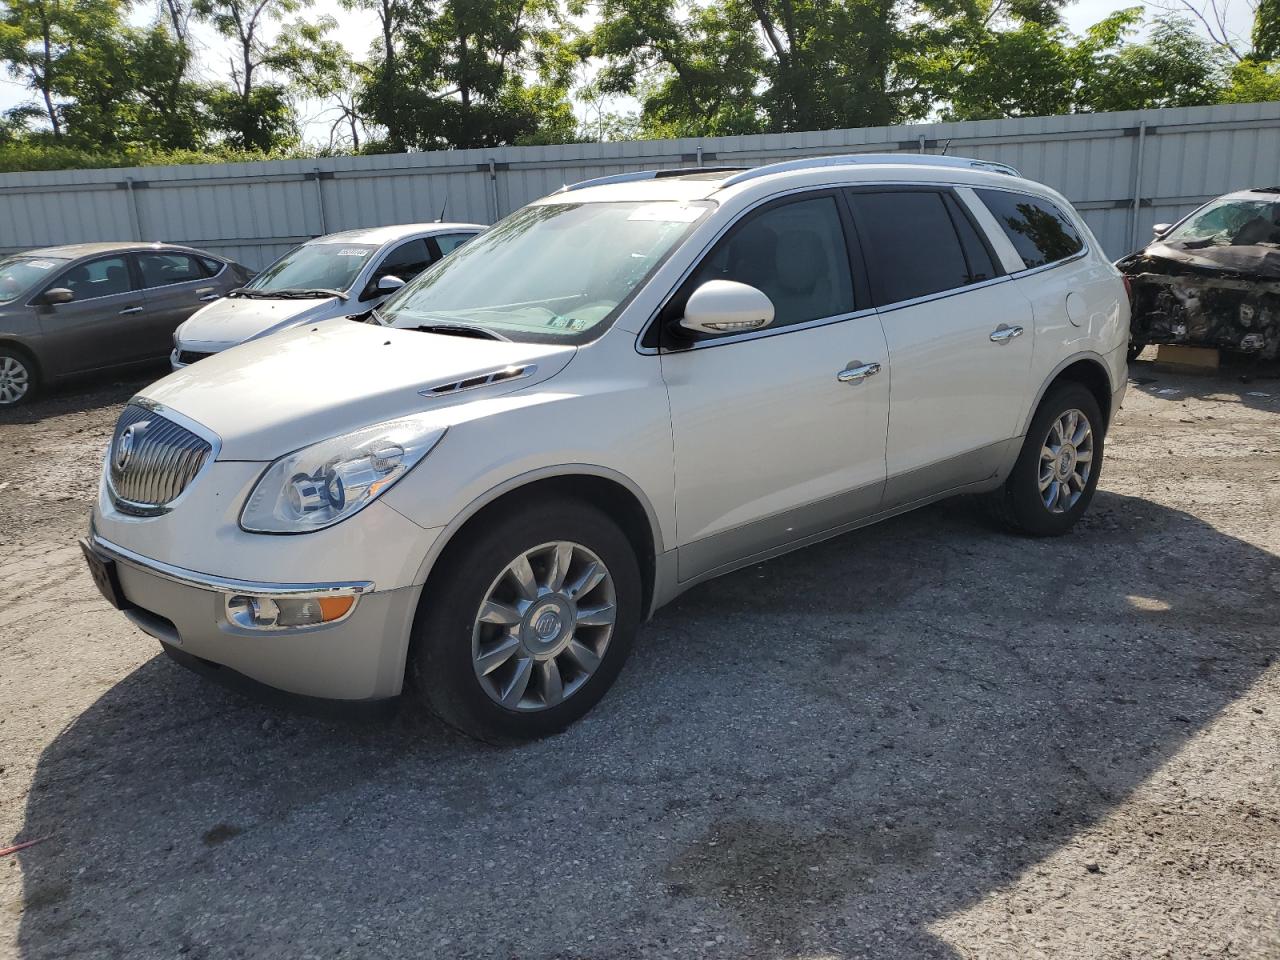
[(926, 739)]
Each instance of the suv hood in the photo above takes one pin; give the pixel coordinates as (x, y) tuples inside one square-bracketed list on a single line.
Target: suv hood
[(266, 398), (232, 320)]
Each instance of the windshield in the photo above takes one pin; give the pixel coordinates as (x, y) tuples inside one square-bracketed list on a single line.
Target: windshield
[(19, 274), (1230, 222), (550, 273), (315, 266)]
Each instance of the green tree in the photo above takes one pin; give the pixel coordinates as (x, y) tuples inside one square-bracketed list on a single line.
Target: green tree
[(381, 92), (322, 69), (255, 113), (478, 73), (1266, 31)]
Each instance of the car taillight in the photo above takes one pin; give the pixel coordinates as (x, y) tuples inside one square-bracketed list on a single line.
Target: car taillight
[(1128, 287)]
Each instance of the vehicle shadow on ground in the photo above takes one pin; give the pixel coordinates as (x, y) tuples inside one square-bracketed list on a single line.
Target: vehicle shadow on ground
[(822, 755), (90, 393), (1253, 385)]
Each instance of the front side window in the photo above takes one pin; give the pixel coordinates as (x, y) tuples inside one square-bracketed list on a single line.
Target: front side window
[(1229, 223), (317, 267), (97, 278), (911, 244), (19, 274), (551, 272), (405, 261), (163, 269), (795, 253), (1038, 230)]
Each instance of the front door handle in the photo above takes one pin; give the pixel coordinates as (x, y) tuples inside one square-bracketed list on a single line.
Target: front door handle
[(1004, 333), (129, 310), (857, 371)]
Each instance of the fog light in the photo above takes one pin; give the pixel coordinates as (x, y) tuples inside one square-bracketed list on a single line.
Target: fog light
[(281, 613)]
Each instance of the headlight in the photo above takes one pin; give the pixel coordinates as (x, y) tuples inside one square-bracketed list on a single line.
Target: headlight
[(319, 485)]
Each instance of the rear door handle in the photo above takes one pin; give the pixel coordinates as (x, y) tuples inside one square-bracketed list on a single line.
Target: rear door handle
[(1005, 333), (129, 310), (857, 371)]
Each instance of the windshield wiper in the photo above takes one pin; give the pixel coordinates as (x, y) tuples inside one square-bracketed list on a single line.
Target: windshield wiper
[(459, 330), (289, 293)]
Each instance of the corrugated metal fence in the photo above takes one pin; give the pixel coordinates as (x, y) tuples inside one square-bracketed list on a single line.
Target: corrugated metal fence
[(1123, 171)]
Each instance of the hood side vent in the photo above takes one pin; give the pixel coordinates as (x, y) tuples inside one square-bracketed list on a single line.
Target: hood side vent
[(501, 375)]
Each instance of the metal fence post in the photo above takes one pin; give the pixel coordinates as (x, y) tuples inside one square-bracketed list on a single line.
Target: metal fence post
[(320, 202), (135, 219), (493, 191), (1137, 186)]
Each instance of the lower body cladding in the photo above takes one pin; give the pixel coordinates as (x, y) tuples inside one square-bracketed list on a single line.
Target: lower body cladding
[(326, 641)]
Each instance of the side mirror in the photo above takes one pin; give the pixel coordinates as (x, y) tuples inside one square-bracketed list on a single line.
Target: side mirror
[(726, 306), (388, 284), (58, 295), (1160, 229)]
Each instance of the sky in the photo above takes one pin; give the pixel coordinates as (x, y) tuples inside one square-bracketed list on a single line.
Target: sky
[(359, 29)]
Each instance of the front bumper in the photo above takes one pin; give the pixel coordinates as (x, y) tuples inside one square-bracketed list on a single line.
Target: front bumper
[(181, 357), (358, 658)]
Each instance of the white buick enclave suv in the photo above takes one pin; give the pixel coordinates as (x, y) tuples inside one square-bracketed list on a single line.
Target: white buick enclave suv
[(617, 392)]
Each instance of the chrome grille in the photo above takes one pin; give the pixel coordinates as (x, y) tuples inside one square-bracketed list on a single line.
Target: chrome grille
[(152, 459)]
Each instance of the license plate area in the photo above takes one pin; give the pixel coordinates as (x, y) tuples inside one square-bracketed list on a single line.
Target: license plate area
[(106, 576)]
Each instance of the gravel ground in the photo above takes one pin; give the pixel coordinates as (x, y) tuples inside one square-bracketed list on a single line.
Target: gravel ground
[(927, 739)]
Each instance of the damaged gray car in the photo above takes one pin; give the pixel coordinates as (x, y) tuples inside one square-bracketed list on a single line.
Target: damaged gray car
[(1212, 279)]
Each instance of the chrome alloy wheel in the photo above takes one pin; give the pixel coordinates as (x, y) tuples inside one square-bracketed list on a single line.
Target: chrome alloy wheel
[(1066, 461), (15, 380), (544, 626)]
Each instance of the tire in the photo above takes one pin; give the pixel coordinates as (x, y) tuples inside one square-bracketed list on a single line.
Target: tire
[(1021, 503), (449, 637), (19, 379)]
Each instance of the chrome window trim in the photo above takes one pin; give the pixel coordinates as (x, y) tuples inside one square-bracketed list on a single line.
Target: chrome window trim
[(943, 294), (215, 584), (146, 511)]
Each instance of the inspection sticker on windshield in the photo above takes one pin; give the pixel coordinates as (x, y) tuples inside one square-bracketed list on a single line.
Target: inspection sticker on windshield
[(353, 252), (41, 264), (666, 213)]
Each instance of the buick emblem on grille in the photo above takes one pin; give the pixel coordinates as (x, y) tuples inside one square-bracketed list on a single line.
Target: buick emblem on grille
[(125, 445)]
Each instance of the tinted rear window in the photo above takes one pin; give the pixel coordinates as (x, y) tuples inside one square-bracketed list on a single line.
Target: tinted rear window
[(1038, 230), (911, 244)]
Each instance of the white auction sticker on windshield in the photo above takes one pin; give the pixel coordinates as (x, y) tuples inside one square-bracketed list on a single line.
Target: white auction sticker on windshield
[(41, 264), (666, 213), (353, 252)]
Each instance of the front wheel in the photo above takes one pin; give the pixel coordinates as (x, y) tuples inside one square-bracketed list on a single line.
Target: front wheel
[(17, 378), (1057, 471), (529, 622)]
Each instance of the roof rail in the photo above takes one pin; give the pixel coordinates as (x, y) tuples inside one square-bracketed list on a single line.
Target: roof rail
[(648, 175), (850, 159)]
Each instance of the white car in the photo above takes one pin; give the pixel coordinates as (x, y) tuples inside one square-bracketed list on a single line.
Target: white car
[(617, 392), (339, 275)]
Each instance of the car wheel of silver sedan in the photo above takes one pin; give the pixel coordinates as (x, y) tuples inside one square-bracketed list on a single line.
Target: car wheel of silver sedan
[(17, 378), (528, 620)]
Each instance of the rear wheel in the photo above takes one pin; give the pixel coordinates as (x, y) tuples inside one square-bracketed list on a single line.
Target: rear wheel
[(1057, 470), (529, 622), (18, 380)]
